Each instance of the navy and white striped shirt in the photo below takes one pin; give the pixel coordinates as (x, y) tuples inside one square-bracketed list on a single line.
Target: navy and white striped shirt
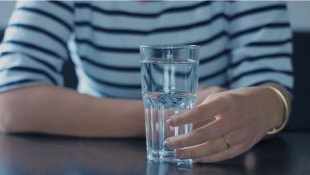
[(242, 43)]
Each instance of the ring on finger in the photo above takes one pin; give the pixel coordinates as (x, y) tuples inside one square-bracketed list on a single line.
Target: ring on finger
[(226, 141)]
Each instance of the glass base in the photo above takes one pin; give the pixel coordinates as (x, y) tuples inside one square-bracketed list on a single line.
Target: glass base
[(166, 158)]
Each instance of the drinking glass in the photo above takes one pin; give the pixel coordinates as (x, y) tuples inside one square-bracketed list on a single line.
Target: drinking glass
[(169, 85)]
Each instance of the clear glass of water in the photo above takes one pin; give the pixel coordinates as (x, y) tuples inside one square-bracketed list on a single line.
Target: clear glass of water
[(169, 85)]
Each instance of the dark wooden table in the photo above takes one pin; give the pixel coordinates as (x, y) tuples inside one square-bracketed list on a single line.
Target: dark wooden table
[(287, 153)]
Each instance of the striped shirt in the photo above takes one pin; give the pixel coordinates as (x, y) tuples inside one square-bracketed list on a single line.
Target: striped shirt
[(243, 44)]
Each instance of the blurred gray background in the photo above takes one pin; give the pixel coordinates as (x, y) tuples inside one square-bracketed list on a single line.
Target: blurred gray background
[(299, 12)]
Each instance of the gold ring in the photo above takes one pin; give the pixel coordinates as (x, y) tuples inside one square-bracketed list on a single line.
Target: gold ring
[(226, 141)]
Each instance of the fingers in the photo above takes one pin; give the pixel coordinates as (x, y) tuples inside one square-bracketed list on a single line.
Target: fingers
[(201, 112), (204, 91), (202, 123), (200, 135), (226, 154), (213, 151)]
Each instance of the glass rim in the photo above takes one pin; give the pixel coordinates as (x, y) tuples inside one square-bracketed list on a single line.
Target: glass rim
[(170, 46)]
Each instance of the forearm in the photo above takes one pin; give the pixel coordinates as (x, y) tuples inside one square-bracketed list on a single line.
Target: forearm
[(54, 110)]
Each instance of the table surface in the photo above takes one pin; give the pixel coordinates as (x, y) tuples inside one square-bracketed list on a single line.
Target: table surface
[(287, 153)]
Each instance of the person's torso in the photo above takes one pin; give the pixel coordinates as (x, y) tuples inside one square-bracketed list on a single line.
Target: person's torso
[(107, 37)]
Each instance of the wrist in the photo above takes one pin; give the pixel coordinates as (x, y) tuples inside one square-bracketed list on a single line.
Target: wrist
[(281, 101), (285, 111)]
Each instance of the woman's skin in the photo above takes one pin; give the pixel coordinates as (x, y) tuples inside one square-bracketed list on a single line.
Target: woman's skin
[(243, 116), (55, 110)]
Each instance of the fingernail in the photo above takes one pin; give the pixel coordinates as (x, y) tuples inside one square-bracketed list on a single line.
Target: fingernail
[(170, 122), (180, 155), (168, 144), (195, 160)]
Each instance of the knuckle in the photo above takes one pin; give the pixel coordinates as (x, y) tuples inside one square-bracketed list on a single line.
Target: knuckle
[(227, 100), (211, 96)]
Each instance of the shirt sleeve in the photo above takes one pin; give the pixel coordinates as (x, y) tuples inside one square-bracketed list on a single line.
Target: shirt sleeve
[(34, 47), (261, 45)]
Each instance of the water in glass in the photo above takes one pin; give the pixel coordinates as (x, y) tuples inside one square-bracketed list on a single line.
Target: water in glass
[(168, 87)]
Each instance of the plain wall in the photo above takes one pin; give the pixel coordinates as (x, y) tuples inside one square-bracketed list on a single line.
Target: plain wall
[(299, 14)]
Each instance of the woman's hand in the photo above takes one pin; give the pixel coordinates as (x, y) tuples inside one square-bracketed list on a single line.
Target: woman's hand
[(242, 116), (202, 93)]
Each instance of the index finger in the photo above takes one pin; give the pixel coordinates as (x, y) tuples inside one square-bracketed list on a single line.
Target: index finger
[(200, 112)]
